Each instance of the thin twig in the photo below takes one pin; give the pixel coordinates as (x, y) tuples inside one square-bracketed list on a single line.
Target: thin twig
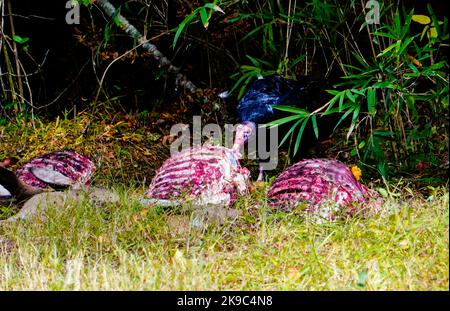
[(163, 61), (109, 66), (14, 45)]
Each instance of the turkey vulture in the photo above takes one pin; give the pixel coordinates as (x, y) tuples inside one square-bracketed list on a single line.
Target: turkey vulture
[(256, 107)]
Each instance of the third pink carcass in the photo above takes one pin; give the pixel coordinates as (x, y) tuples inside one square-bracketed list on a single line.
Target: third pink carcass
[(318, 182)]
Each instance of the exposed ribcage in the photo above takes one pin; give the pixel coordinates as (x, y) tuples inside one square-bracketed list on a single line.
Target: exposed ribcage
[(207, 174), (315, 181), (74, 166)]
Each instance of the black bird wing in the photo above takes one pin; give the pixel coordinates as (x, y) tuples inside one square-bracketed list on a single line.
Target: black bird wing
[(257, 104)]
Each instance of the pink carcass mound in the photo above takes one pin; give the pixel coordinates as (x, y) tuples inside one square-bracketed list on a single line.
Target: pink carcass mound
[(63, 168), (319, 182), (202, 174)]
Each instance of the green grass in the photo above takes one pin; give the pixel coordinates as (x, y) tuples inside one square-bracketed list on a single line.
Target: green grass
[(130, 247)]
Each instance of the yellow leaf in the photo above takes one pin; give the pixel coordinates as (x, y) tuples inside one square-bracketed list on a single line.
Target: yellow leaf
[(356, 171), (259, 184), (432, 33), (421, 19)]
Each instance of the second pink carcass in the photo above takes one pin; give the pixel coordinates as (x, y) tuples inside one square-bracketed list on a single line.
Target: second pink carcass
[(202, 175)]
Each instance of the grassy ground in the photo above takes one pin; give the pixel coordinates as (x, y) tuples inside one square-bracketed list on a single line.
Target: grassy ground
[(131, 247)]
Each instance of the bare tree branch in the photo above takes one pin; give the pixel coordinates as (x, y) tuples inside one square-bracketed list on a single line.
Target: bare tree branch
[(163, 61)]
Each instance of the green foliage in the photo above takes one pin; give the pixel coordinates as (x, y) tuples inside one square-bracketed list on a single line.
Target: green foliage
[(301, 117), (388, 88), (20, 40), (393, 91), (249, 73), (270, 19), (202, 14), (83, 2)]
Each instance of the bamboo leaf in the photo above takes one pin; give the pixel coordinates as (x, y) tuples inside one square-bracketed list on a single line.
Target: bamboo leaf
[(424, 32), (383, 85), (250, 68), (284, 120), (360, 60), (341, 100), (204, 17), (355, 114), (392, 46), (384, 34), (238, 82), (314, 123), (257, 62), (405, 45), (299, 135), (250, 77), (291, 109), (254, 31), (19, 39), (342, 118), (371, 101), (436, 23), (332, 101), (432, 33), (181, 27), (350, 96), (290, 132)]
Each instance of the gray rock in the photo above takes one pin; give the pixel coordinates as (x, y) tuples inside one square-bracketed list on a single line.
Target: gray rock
[(216, 215), (39, 203)]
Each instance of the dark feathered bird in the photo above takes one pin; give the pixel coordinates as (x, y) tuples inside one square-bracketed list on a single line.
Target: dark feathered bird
[(256, 107), (257, 104)]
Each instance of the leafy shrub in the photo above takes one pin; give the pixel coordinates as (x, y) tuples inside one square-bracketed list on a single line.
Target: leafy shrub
[(394, 80)]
